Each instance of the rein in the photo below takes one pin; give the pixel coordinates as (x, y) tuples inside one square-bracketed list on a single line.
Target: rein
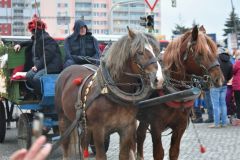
[(195, 81)]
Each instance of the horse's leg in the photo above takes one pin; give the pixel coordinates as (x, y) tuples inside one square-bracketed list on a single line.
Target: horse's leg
[(132, 153), (158, 152), (98, 138), (63, 125), (177, 134), (141, 136), (127, 135)]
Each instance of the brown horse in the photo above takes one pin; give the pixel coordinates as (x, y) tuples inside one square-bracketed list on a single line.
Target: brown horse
[(190, 60), (108, 95)]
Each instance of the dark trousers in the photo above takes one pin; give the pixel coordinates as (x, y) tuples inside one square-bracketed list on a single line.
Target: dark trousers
[(209, 106), (231, 107), (33, 78), (237, 100), (197, 109)]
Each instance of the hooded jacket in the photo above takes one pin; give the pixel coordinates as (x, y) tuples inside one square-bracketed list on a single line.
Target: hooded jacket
[(78, 47), (226, 66)]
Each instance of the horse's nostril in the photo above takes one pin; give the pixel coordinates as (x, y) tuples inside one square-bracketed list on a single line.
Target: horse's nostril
[(156, 80)]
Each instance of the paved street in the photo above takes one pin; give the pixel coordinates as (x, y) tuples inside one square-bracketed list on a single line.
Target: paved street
[(221, 144)]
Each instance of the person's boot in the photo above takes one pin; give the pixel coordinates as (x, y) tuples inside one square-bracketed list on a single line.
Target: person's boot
[(198, 113), (208, 121)]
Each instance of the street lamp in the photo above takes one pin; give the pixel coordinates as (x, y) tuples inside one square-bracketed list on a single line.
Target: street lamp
[(119, 4)]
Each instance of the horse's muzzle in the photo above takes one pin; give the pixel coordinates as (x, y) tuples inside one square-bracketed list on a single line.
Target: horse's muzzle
[(155, 81)]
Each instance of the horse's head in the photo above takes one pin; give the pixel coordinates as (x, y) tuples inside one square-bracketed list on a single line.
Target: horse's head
[(143, 51), (196, 55), (135, 53)]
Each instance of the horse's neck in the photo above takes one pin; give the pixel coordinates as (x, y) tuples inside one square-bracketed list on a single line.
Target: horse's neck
[(178, 80), (126, 80)]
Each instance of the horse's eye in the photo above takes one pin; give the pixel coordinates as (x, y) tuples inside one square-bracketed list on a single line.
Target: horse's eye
[(140, 53)]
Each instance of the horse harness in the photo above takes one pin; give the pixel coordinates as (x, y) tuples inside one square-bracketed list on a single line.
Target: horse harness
[(104, 86), (172, 85), (201, 82), (80, 107)]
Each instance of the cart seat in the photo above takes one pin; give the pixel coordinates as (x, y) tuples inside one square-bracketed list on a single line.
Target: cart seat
[(48, 89)]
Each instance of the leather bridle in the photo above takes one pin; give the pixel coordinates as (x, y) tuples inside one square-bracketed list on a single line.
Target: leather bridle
[(204, 80)]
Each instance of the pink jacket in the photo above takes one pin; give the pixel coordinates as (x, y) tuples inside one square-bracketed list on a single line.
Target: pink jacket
[(236, 76)]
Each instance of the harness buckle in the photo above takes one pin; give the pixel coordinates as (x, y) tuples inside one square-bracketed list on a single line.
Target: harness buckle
[(104, 90)]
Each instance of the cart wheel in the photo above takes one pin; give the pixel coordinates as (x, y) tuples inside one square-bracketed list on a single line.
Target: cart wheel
[(106, 144), (2, 122), (25, 130)]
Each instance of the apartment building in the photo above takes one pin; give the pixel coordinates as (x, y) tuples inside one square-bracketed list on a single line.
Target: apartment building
[(14, 15), (101, 16), (5, 14)]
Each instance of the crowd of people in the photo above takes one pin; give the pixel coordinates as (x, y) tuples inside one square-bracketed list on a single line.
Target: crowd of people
[(222, 103)]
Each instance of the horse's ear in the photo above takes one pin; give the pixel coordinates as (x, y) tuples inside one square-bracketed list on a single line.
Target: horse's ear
[(194, 34), (202, 29), (131, 34)]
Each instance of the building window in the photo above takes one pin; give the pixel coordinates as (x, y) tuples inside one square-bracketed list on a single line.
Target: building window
[(63, 20), (83, 5), (62, 5), (18, 11)]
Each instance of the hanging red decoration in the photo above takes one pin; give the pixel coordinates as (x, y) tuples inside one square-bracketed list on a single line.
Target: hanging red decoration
[(85, 153), (202, 149), (77, 81), (36, 23)]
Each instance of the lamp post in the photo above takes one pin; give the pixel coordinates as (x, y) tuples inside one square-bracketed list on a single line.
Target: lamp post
[(119, 4)]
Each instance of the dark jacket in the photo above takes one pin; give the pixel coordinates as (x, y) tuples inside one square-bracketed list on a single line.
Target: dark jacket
[(34, 57), (77, 48), (52, 53), (226, 66)]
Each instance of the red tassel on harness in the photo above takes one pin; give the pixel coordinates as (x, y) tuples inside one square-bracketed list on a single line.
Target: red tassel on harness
[(77, 81), (85, 153), (202, 149)]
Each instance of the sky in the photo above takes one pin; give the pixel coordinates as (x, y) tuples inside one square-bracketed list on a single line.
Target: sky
[(212, 14)]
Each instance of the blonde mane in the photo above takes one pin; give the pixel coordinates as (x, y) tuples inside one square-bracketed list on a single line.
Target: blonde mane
[(121, 51)]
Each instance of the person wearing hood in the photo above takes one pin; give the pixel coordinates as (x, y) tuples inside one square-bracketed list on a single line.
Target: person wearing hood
[(81, 47), (43, 54), (218, 95)]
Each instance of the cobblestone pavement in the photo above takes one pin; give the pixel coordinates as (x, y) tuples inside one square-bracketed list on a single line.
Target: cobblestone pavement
[(221, 144)]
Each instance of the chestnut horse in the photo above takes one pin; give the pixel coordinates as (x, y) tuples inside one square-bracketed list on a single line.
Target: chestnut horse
[(127, 74), (189, 60)]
